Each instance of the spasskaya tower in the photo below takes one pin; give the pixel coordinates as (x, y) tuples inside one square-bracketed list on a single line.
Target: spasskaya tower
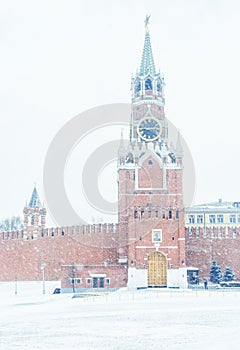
[(151, 214)]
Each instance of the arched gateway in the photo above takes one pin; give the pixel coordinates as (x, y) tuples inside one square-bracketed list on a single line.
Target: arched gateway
[(157, 270)]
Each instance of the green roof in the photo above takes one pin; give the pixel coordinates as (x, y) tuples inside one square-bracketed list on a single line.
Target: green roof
[(147, 63)]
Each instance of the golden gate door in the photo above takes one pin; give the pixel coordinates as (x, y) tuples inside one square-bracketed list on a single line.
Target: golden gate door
[(157, 270)]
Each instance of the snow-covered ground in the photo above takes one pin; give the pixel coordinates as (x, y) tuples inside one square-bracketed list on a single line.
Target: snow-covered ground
[(123, 320)]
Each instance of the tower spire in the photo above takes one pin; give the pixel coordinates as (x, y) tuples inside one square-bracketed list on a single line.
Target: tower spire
[(35, 200), (147, 63)]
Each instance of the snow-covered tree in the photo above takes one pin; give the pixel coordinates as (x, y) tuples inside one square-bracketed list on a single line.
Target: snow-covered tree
[(215, 272), (11, 224), (228, 275)]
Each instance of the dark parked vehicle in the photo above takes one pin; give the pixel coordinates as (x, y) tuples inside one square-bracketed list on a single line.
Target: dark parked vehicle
[(57, 291)]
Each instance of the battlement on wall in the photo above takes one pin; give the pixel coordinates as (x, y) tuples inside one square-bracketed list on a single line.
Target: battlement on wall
[(221, 232), (83, 230)]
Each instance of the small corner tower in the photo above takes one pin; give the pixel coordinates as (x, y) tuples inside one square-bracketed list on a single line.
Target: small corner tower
[(34, 216)]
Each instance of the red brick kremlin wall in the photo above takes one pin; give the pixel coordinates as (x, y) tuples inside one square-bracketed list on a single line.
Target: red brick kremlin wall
[(202, 249), (21, 259)]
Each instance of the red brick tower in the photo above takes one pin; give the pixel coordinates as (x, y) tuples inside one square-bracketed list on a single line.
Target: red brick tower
[(34, 216), (151, 215)]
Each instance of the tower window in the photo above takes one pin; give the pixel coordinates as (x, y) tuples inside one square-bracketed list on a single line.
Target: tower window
[(156, 214), (177, 214), (137, 86), (129, 158), (163, 214), (170, 214), (148, 84), (135, 214), (199, 219), (159, 85), (142, 213), (150, 162)]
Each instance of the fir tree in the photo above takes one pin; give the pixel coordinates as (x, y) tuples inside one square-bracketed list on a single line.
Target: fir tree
[(228, 275), (215, 273)]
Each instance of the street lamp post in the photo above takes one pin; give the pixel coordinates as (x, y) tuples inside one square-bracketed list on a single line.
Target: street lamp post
[(43, 265), (43, 277), (15, 285)]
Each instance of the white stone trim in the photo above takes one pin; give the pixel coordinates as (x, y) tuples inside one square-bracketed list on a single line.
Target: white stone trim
[(98, 275), (153, 247)]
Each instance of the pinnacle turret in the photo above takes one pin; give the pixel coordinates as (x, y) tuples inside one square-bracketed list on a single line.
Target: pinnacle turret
[(179, 148)]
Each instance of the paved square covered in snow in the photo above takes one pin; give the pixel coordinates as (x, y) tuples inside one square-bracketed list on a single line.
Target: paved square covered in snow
[(147, 319)]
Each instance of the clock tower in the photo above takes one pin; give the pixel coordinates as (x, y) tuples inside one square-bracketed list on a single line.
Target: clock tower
[(148, 122), (151, 216)]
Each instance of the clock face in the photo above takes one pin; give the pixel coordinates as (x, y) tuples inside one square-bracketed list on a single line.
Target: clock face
[(149, 129)]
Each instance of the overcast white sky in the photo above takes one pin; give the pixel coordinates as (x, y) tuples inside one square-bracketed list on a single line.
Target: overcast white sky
[(59, 58)]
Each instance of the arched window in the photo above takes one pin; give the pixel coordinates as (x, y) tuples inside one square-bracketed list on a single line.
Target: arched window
[(135, 213), (148, 84), (150, 162), (159, 85), (137, 85), (129, 158)]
